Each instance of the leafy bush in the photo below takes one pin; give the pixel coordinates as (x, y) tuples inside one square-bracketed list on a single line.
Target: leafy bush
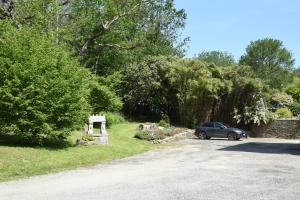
[(148, 135), (169, 132), (193, 122), (163, 123), (280, 99), (256, 114), (295, 108), (143, 135), (87, 138), (294, 91), (43, 89), (113, 118), (284, 113), (103, 98)]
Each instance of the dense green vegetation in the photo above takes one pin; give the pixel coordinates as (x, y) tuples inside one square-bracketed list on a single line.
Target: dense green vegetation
[(219, 58), (20, 162), (42, 87), (271, 61), (63, 60)]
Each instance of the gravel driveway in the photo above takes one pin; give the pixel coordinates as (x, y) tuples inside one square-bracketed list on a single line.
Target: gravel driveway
[(253, 169)]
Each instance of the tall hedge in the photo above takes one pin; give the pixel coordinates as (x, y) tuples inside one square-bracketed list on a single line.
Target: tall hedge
[(43, 89)]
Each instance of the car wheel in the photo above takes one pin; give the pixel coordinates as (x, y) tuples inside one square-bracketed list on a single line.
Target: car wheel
[(202, 135), (208, 138), (238, 138), (231, 136)]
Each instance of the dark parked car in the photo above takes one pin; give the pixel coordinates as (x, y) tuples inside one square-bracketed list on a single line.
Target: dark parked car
[(220, 130)]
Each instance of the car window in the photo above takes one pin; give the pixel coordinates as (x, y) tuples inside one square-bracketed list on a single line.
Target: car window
[(225, 125), (220, 125), (208, 125)]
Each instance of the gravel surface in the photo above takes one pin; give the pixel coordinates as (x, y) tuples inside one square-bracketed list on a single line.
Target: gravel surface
[(252, 169)]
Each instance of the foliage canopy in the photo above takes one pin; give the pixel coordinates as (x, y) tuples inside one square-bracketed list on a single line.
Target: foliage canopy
[(43, 89), (270, 60), (219, 58), (134, 54)]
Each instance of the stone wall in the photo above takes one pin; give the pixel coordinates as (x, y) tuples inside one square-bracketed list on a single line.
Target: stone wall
[(282, 128)]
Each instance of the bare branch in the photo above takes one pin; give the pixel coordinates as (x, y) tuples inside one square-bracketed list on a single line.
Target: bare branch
[(101, 29), (108, 24), (117, 46), (65, 2)]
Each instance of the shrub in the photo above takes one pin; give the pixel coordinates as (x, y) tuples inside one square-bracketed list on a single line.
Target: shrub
[(295, 108), (87, 138), (113, 118), (281, 99), (163, 123), (294, 91), (102, 98), (160, 136), (168, 132), (193, 122), (284, 113), (43, 89), (255, 114), (149, 135), (144, 135)]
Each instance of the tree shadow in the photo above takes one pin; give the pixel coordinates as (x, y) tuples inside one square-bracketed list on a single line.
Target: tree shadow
[(50, 144), (264, 147), (216, 139)]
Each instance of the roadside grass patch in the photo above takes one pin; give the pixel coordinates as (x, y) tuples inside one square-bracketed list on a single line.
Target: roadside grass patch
[(20, 162)]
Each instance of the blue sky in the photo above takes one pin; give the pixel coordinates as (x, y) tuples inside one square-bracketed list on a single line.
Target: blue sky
[(230, 25)]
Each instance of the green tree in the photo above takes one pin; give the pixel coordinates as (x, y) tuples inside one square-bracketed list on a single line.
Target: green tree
[(106, 34), (43, 89), (142, 87), (293, 88), (270, 60), (123, 31), (219, 58), (197, 87), (103, 97), (297, 72)]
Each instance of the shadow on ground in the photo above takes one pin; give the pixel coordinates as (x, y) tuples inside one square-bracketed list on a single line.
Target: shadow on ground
[(50, 144), (216, 139), (263, 147)]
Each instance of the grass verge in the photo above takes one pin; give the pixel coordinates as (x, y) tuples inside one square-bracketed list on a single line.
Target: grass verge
[(21, 162)]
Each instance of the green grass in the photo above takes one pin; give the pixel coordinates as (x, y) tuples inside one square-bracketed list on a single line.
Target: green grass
[(20, 162)]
